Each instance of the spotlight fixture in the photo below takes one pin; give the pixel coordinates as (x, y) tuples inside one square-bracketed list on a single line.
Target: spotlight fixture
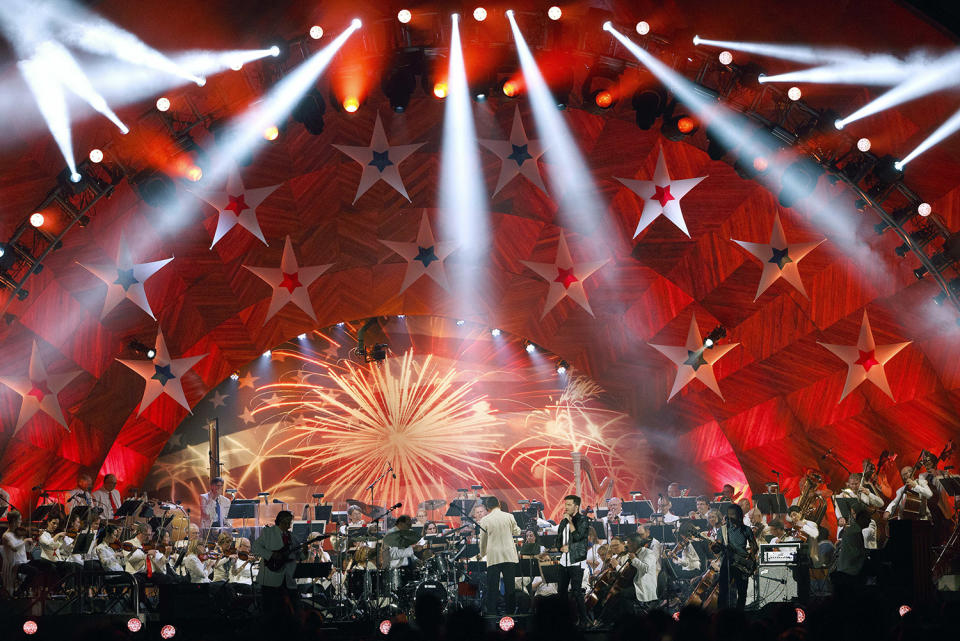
[(643, 28), (96, 155), (603, 99), (235, 376), (302, 336), (863, 145), (798, 181), (715, 335), (924, 209), (440, 89), (562, 367), (309, 111), (279, 50), (554, 12), (461, 322), (267, 353), (271, 133), (316, 32), (649, 103), (36, 219), (601, 87), (679, 127), (351, 104), (141, 348), (725, 57), (794, 93), (920, 272), (398, 85), (404, 16), (531, 348), (495, 332), (511, 88), (163, 104), (479, 14)]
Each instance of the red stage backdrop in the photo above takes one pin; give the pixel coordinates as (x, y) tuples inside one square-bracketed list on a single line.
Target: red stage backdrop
[(450, 407)]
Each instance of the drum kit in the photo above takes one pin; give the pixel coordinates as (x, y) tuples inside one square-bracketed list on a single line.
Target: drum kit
[(371, 589)]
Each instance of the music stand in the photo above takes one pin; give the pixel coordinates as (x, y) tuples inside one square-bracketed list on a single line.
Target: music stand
[(549, 541), (683, 505), (469, 550), (721, 506), (550, 572), (322, 512), (128, 508), (623, 530), (848, 506), (44, 512), (82, 543), (461, 507), (338, 517), (950, 485), (640, 509), (700, 524), (663, 533), (528, 567), (772, 504), (302, 529), (319, 570)]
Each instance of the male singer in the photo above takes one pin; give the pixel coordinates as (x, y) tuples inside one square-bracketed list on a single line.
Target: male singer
[(496, 544), (214, 506), (572, 541)]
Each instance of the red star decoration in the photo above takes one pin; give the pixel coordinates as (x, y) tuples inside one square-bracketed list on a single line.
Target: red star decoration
[(867, 359), (39, 389), (237, 204), (290, 281), (565, 277), (662, 194)]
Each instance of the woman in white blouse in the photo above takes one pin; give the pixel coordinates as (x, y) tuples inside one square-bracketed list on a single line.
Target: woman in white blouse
[(193, 568), (13, 551), (107, 556)]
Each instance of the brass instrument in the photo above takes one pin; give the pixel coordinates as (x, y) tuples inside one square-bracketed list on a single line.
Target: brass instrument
[(812, 505)]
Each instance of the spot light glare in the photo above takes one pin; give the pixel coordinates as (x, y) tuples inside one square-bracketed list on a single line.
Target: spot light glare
[(275, 51), (493, 332), (794, 93), (440, 89), (531, 348), (36, 219), (163, 104), (271, 133), (316, 32), (554, 12), (480, 14), (351, 104), (29, 627), (725, 57), (168, 631), (863, 145), (643, 28), (404, 16), (96, 155), (924, 209)]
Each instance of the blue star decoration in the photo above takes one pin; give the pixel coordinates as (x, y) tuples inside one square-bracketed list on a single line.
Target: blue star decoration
[(381, 160), (163, 374), (695, 359), (780, 257), (125, 279), (426, 255), (520, 154)]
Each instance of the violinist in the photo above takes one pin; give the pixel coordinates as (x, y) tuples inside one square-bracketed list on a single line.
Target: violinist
[(197, 562), (13, 551), (636, 584), (221, 566), (144, 560), (684, 556), (108, 548), (49, 541), (243, 569)]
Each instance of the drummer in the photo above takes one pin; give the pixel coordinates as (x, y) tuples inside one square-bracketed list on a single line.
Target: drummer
[(401, 551), (429, 529)]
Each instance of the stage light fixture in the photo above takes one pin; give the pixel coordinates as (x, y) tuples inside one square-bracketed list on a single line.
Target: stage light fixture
[(863, 145), (603, 99), (479, 14), (341, 324), (168, 632), (940, 298), (649, 103), (511, 88), (271, 133), (351, 104), (531, 348), (163, 104), (643, 28), (679, 127), (235, 376), (36, 219), (356, 23), (924, 209), (385, 626), (309, 111), (493, 332), (302, 336), (404, 16), (267, 353), (30, 627), (141, 348), (562, 367), (96, 155), (920, 272), (440, 89), (725, 57), (798, 182), (316, 32), (398, 85), (134, 625), (794, 93), (461, 322), (401, 316), (194, 173), (554, 12)]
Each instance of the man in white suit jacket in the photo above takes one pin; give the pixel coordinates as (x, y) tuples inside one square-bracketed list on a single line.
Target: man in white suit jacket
[(281, 597), (496, 544)]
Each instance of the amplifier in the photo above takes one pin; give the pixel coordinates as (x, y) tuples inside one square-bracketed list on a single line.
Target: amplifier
[(780, 554), (776, 585)]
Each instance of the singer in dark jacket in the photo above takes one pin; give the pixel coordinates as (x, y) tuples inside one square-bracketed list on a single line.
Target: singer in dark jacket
[(572, 542)]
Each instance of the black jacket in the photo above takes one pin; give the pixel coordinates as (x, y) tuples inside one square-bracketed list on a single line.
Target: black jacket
[(578, 537)]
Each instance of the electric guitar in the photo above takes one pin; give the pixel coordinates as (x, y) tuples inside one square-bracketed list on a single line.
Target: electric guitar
[(282, 556)]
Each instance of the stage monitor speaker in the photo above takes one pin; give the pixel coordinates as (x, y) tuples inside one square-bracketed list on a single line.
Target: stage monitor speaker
[(908, 552), (777, 585)]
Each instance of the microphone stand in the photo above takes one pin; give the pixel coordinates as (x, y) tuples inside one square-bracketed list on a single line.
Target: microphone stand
[(377, 480)]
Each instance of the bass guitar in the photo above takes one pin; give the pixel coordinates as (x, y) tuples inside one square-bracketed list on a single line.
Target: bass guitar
[(282, 556)]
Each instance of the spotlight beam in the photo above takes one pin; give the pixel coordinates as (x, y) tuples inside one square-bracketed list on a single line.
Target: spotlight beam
[(578, 199), (463, 198), (942, 132), (734, 132), (795, 53), (52, 104)]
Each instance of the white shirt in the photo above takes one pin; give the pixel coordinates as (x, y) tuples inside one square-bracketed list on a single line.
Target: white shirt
[(14, 552), (208, 510), (689, 559), (669, 518), (400, 557), (101, 499), (66, 551), (48, 546), (195, 570), (108, 558), (645, 580), (920, 488), (79, 497), (244, 572), (135, 561), (866, 497), (270, 541), (870, 536)]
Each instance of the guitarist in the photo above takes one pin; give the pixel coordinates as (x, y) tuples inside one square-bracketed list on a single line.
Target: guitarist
[(739, 547), (281, 598)]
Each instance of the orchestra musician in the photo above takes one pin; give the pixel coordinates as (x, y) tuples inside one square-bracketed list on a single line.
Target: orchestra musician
[(673, 490), (703, 507), (917, 486), (81, 495), (727, 494), (847, 575), (401, 557), (107, 498), (214, 506), (221, 565), (497, 529), (105, 551), (13, 551), (572, 532), (243, 571)]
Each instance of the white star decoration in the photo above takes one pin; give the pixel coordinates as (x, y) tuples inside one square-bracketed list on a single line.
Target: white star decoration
[(125, 280), (247, 416), (661, 196), (565, 277), (248, 380), (218, 399), (779, 258), (425, 256), (866, 359), (163, 375), (379, 161), (237, 206), (693, 360), (39, 390), (289, 282), (519, 155)]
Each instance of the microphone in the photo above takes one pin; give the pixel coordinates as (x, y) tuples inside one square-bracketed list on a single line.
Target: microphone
[(775, 472), (396, 506), (826, 454), (391, 470), (277, 501), (36, 487)]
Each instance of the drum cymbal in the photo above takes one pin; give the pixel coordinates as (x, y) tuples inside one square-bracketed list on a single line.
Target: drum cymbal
[(401, 538), (360, 504), (431, 504)]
